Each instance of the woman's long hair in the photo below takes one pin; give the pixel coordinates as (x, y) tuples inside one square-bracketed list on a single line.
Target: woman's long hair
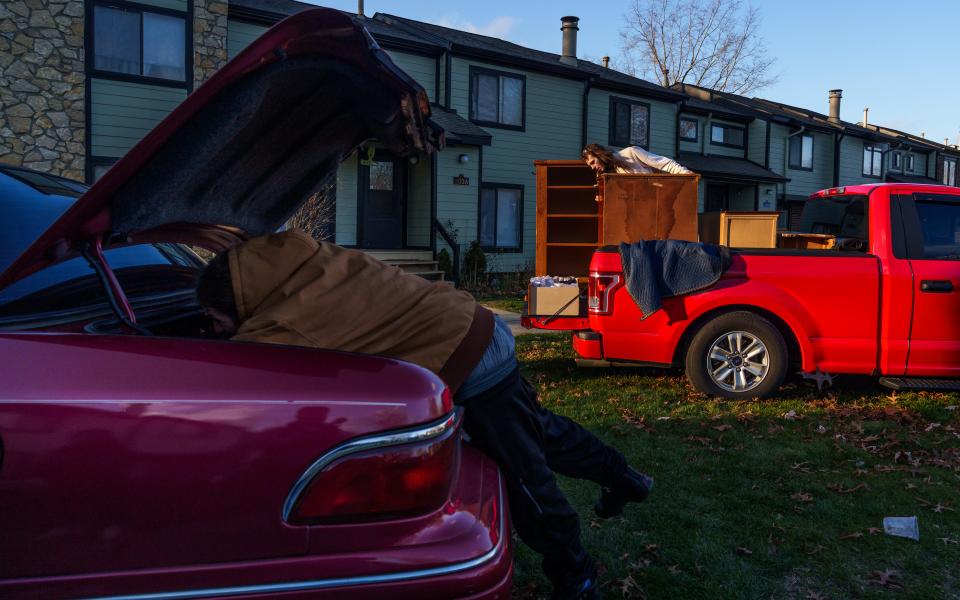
[(607, 158)]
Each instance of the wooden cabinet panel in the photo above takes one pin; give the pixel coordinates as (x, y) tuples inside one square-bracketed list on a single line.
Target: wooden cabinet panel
[(571, 223), (740, 229)]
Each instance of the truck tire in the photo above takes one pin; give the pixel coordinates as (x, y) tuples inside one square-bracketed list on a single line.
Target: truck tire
[(738, 355)]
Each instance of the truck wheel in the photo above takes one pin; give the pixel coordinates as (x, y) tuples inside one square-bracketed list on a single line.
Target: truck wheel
[(738, 355)]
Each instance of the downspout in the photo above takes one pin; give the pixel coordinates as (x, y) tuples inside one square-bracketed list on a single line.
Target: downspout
[(837, 141), (706, 132), (446, 80), (676, 130), (786, 156), (585, 119)]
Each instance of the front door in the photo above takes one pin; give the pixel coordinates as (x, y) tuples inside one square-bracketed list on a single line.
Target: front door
[(717, 197), (933, 229), (382, 201)]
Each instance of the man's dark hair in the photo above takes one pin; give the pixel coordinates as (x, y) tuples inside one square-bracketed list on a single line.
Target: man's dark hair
[(215, 287)]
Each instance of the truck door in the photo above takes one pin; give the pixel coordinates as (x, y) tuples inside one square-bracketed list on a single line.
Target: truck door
[(932, 235)]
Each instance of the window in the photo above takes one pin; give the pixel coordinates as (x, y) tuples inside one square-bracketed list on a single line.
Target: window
[(497, 98), (911, 165), (689, 130), (726, 135), (140, 43), (844, 216), (801, 152), (949, 171), (501, 216), (896, 161), (629, 123), (940, 224), (872, 161)]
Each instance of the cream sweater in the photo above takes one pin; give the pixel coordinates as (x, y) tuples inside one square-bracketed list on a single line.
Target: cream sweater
[(640, 161)]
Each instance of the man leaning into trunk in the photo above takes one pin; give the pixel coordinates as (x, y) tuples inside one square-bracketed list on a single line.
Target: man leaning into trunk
[(286, 288)]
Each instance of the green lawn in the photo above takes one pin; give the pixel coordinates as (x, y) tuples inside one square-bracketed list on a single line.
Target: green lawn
[(781, 498)]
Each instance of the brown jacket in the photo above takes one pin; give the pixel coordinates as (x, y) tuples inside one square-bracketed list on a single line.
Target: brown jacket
[(293, 290)]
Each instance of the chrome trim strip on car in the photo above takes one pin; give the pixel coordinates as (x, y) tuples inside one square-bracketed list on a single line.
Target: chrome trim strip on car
[(319, 584), (397, 438)]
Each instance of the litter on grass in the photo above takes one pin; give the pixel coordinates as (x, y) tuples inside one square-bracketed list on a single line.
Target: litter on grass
[(905, 527)]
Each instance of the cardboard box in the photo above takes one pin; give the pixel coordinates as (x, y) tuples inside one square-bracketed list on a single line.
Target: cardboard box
[(561, 301)]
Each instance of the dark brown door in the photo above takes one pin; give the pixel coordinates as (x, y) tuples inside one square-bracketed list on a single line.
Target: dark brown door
[(717, 197), (382, 201)]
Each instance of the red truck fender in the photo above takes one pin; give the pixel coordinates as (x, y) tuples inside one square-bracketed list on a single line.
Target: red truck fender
[(768, 300)]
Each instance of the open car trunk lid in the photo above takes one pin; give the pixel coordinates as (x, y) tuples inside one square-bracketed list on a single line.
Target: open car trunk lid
[(250, 146)]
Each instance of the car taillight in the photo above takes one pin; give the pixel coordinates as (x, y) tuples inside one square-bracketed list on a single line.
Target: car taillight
[(393, 475), (599, 289)]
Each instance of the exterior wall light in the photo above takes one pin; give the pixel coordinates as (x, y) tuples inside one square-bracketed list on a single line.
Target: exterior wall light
[(463, 159)]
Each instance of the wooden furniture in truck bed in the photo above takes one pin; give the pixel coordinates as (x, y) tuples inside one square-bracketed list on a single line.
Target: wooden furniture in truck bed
[(739, 229), (571, 224)]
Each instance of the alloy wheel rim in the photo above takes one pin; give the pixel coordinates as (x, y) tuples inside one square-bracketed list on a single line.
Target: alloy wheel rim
[(738, 361)]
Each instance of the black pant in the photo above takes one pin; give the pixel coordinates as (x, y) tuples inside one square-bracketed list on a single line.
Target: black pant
[(530, 443)]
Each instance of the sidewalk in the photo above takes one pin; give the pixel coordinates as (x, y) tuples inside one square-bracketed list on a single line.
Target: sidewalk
[(513, 320)]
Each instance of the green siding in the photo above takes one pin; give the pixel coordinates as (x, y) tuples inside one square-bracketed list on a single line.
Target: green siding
[(121, 113), (663, 119), (722, 150), (553, 131), (346, 230), (757, 146), (805, 183), (171, 4), (422, 68), (418, 203), (241, 34), (851, 162), (457, 204)]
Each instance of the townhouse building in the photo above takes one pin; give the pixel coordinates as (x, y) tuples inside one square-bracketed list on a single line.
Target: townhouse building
[(85, 80)]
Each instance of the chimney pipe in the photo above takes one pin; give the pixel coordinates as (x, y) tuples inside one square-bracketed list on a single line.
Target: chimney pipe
[(923, 134), (606, 62), (835, 96), (568, 25), (360, 8), (866, 113)]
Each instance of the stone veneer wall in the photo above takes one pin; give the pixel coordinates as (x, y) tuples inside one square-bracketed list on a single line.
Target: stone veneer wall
[(42, 121), (209, 38)]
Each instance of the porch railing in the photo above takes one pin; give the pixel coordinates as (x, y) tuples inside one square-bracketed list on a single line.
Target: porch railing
[(454, 247)]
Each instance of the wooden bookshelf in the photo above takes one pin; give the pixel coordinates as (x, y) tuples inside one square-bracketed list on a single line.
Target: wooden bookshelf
[(571, 223)]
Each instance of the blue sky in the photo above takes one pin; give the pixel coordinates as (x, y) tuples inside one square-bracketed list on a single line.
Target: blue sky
[(897, 57)]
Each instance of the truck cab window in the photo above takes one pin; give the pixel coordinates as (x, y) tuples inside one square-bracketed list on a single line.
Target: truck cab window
[(940, 225), (841, 216)]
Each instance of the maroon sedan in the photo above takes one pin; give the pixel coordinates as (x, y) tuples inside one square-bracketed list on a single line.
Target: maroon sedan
[(142, 459)]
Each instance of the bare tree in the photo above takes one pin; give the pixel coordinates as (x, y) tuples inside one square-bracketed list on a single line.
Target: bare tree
[(709, 43)]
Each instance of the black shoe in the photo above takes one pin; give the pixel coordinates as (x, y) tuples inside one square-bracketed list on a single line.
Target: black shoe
[(632, 487), (588, 589)]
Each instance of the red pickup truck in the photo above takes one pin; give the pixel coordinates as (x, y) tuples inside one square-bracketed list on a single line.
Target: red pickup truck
[(885, 301)]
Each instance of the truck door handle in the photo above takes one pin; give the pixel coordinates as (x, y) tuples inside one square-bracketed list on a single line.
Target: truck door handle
[(936, 286)]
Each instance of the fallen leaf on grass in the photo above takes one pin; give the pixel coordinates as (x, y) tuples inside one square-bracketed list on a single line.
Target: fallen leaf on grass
[(744, 551), (630, 588), (790, 415), (815, 596), (949, 541), (851, 536), (595, 524), (816, 550), (838, 488), (888, 578), (674, 569), (801, 466), (801, 497), (722, 428)]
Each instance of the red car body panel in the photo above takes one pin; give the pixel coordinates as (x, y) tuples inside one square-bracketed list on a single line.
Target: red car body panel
[(856, 313), (167, 466)]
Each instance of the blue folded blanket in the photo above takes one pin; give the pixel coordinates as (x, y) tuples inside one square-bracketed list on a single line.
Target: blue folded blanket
[(657, 269)]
